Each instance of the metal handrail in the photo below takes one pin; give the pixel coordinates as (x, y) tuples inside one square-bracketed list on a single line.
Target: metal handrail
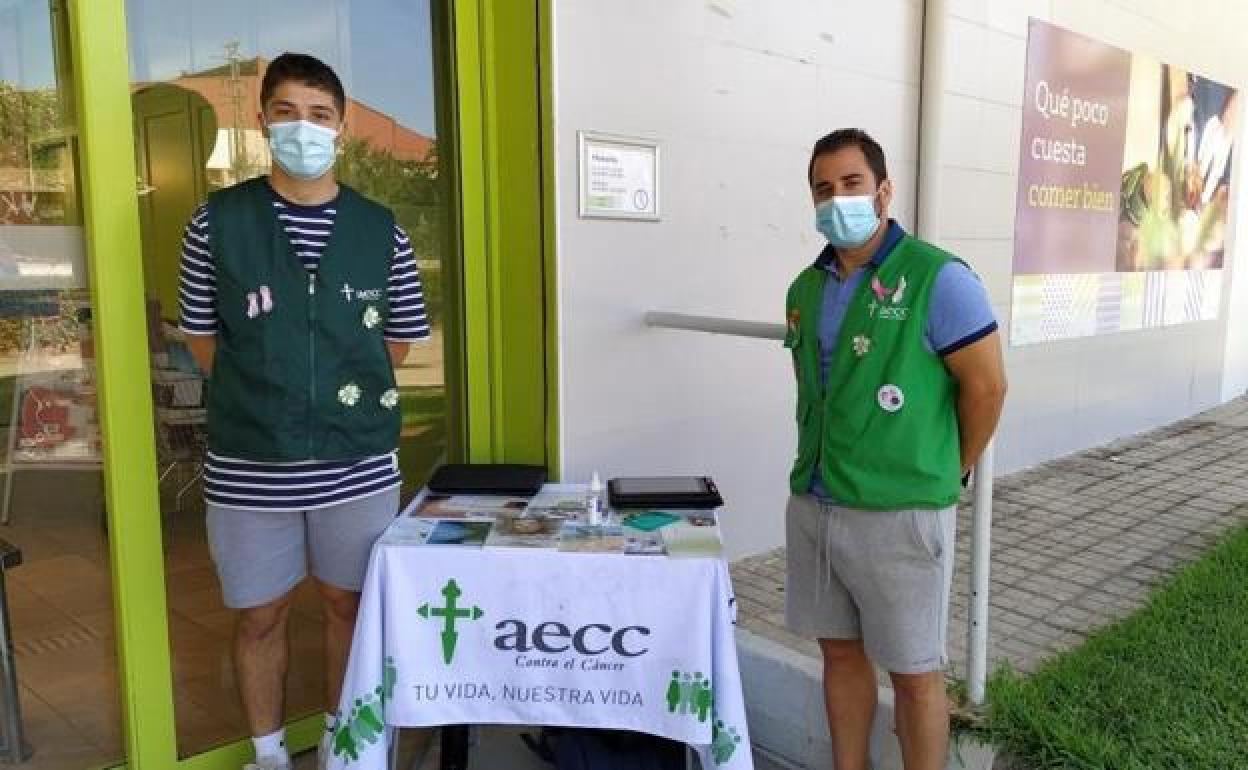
[(714, 325)]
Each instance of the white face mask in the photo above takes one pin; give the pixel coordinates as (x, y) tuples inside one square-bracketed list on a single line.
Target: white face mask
[(303, 149), (847, 221)]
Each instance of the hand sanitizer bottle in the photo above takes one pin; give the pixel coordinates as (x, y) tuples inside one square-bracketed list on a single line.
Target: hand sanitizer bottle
[(595, 503)]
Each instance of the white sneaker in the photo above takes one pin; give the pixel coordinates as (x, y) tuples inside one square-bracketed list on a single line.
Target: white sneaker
[(322, 751)]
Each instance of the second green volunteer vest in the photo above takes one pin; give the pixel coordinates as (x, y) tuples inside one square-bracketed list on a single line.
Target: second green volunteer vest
[(883, 429)]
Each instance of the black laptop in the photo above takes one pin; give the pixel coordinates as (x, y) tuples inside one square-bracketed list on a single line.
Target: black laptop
[(488, 479)]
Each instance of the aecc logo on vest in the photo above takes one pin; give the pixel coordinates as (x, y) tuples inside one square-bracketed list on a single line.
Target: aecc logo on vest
[(887, 302), (350, 293)]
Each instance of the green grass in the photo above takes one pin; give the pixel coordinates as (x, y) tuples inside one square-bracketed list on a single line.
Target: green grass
[(1165, 689)]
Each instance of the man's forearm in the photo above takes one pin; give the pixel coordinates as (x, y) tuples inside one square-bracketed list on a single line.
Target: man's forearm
[(203, 349), (398, 352), (978, 413)]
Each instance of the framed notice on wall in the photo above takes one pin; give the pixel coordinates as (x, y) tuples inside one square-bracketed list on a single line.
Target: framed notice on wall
[(619, 177)]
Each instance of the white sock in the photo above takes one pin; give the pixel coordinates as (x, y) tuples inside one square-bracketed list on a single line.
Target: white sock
[(327, 737), (272, 746)]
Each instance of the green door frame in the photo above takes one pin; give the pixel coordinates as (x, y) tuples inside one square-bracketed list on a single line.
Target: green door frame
[(505, 193), (505, 190)]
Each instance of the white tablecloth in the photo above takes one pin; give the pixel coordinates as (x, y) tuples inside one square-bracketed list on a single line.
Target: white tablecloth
[(452, 634)]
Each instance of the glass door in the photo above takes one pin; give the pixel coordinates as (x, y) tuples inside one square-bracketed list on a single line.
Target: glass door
[(196, 68), (58, 599)]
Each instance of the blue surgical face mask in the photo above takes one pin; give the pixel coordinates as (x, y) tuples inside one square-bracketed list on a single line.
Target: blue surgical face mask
[(304, 150), (847, 221)]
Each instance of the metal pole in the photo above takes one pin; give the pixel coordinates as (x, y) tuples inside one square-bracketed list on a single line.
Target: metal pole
[(981, 565), (932, 84)]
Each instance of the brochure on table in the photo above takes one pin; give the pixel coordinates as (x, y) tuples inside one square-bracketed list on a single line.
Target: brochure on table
[(555, 519)]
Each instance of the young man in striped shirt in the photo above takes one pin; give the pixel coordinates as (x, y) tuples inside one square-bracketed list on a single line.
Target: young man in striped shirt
[(299, 296)]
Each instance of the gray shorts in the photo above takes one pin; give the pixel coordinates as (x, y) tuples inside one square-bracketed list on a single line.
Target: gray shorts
[(879, 576), (262, 555)]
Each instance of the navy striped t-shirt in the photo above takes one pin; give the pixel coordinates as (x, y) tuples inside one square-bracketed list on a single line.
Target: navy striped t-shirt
[(297, 486)]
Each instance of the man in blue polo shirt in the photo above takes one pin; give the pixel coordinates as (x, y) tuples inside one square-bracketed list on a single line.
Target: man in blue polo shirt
[(900, 385)]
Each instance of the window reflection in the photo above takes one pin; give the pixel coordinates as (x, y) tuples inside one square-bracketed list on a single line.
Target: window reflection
[(51, 501), (196, 69)]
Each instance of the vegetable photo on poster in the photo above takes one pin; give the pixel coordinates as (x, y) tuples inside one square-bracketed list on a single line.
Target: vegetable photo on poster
[(1176, 170), (1123, 203)]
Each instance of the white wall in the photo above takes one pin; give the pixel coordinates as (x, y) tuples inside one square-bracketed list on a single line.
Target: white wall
[(737, 91), (1235, 302)]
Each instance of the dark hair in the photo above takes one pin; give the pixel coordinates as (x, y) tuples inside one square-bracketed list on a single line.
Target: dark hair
[(307, 70), (850, 137)]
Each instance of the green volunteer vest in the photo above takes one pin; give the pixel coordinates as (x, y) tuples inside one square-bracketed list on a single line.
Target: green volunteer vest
[(884, 430), (309, 378)]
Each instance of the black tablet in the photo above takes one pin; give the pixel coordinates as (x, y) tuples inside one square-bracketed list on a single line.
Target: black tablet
[(663, 492)]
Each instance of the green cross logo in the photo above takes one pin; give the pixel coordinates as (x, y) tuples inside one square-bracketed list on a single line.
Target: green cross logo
[(450, 613)]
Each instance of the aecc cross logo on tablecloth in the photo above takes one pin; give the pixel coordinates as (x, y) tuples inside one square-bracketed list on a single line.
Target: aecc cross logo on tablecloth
[(450, 613)]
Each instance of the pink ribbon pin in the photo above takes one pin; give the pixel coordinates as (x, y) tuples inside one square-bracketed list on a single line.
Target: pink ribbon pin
[(881, 293)]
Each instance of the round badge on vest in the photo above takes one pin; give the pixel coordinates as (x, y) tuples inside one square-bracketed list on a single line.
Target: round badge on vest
[(890, 398)]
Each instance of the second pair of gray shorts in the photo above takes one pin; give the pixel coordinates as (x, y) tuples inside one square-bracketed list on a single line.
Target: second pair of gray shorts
[(879, 576)]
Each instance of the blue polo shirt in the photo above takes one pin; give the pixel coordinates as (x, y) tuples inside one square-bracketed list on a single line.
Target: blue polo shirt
[(960, 312)]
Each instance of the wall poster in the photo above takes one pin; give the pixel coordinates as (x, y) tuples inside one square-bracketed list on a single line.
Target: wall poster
[(1123, 191)]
